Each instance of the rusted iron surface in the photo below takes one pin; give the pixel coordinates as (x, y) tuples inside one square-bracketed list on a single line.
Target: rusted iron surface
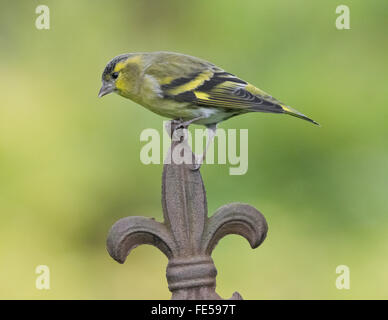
[(187, 236)]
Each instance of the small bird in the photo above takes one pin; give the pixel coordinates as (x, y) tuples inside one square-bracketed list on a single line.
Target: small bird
[(187, 89)]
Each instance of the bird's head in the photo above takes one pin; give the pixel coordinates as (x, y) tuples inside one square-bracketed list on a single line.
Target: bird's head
[(121, 74)]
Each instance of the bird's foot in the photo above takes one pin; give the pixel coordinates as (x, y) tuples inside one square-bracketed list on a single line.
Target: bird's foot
[(176, 124), (173, 125), (198, 160), (181, 124)]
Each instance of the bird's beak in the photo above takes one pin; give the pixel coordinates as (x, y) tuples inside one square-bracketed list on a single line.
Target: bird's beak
[(106, 89)]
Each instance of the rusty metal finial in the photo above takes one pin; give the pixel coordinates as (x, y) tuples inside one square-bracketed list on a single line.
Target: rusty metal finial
[(187, 236)]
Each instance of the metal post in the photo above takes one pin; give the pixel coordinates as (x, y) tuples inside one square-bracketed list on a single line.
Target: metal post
[(187, 236)]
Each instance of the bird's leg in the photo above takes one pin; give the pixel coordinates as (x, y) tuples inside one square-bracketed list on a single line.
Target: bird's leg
[(185, 124), (180, 124), (175, 124), (172, 125), (199, 160)]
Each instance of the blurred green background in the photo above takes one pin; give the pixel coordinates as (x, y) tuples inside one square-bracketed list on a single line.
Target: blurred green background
[(69, 162)]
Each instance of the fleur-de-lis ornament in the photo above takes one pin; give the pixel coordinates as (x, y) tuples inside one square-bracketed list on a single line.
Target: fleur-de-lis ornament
[(187, 236)]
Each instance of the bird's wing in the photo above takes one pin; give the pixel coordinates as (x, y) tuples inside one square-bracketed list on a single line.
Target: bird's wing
[(217, 88), (188, 79), (227, 91)]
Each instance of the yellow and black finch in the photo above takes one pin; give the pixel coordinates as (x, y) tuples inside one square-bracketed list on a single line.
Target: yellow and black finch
[(186, 88)]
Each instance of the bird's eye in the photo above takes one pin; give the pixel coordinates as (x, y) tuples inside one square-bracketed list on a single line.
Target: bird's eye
[(115, 75)]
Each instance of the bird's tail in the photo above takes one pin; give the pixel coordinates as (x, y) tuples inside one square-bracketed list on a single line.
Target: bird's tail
[(296, 113)]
